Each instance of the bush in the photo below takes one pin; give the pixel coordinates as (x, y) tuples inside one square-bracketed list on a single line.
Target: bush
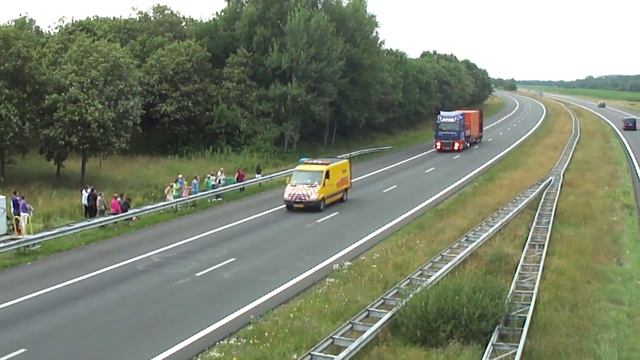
[(464, 309)]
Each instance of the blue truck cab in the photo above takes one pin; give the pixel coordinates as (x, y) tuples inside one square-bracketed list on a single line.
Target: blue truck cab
[(456, 130)]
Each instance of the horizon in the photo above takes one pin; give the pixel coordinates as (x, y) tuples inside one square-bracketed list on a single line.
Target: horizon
[(562, 48)]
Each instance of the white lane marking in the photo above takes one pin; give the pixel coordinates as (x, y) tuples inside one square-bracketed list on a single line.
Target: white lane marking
[(455, 157), (215, 267), (180, 282), (213, 231), (185, 241), (506, 116), (327, 217), (389, 188), (208, 330), (393, 165), (13, 354), (508, 129), (500, 133), (490, 139), (611, 123), (476, 147), (429, 170), (134, 259)]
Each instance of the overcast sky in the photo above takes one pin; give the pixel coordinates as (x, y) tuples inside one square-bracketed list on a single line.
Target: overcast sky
[(542, 39)]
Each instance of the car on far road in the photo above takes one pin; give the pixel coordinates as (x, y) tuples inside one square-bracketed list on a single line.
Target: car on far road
[(629, 123), (601, 104)]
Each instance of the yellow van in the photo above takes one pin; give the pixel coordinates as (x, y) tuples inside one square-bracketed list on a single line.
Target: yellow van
[(317, 183)]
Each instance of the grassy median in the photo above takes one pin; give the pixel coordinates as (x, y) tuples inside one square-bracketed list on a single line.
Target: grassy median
[(589, 301), (293, 328), (601, 94), (623, 100)]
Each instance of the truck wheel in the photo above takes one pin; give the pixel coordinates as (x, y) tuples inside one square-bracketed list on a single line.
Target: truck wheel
[(345, 196), (322, 205)]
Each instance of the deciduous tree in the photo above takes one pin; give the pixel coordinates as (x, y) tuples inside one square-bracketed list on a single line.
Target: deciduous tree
[(21, 87), (93, 104)]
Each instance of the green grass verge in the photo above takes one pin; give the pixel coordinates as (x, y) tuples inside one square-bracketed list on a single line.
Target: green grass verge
[(600, 94), (290, 330), (589, 301), (143, 178), (21, 256), (497, 258), (622, 100), (60, 201)]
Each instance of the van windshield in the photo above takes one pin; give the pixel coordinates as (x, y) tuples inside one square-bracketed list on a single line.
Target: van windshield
[(302, 177), (630, 121)]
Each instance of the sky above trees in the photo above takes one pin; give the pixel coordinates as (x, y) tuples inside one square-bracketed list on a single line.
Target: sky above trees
[(545, 39), (263, 75)]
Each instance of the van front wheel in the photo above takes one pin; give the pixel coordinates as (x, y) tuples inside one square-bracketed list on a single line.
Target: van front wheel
[(345, 195), (322, 205)]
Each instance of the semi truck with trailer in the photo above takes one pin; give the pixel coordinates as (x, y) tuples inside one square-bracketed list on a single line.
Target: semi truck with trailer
[(457, 130)]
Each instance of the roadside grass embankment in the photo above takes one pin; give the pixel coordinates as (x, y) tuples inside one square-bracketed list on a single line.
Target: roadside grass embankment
[(291, 329), (596, 94), (589, 300), (57, 201), (626, 101)]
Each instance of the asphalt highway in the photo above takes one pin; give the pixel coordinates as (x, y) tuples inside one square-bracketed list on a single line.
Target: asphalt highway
[(614, 116), (138, 295)]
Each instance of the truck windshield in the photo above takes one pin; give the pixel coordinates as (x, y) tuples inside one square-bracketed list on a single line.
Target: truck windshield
[(630, 121), (448, 126), (301, 177)]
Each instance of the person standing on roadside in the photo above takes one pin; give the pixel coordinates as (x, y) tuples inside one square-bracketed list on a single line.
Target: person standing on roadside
[(259, 173), (85, 194), (168, 192), (195, 185), (181, 183), (15, 203), (115, 205), (15, 210), (240, 177), (100, 205), (25, 213), (185, 189), (125, 204), (92, 203), (220, 179), (208, 182), (176, 190)]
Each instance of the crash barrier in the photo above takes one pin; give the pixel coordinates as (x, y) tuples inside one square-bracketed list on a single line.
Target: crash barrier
[(149, 209), (355, 334), (509, 337)]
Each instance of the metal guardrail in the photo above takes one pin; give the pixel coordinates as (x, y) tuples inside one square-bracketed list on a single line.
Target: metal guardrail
[(352, 336), (95, 223), (362, 328), (508, 338), (625, 143)]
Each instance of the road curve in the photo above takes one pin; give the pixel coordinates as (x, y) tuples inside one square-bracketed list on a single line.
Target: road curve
[(614, 116), (134, 296)]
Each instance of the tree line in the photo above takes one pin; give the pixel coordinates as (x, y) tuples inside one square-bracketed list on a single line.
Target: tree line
[(506, 84), (262, 75), (608, 82)]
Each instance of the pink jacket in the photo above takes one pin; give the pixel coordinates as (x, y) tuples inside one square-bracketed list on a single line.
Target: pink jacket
[(115, 207)]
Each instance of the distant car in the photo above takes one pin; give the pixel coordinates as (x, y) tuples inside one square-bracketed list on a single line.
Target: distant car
[(629, 123), (601, 104)]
